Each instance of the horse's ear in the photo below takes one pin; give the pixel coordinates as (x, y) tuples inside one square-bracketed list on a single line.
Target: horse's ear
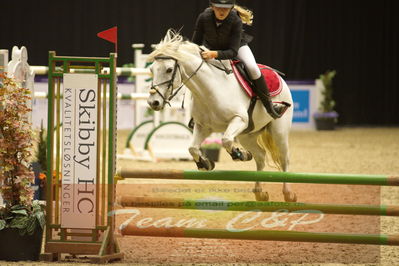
[(170, 34), (173, 36)]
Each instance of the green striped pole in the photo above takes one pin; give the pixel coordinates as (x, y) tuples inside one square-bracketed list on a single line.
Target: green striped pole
[(120, 71), (264, 206), (263, 176), (370, 239), (119, 96)]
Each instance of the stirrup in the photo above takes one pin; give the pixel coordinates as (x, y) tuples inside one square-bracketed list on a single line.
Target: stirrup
[(278, 109)]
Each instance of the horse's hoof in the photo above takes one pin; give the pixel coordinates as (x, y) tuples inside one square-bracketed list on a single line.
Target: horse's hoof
[(290, 197), (248, 156), (261, 196), (205, 164), (238, 155)]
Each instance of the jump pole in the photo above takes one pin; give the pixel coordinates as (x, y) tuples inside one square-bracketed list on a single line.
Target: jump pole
[(263, 176), (370, 239), (264, 206)]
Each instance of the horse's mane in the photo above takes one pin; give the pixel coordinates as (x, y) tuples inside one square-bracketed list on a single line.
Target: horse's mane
[(174, 45)]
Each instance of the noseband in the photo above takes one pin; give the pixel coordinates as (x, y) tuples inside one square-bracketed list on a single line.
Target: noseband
[(171, 80)]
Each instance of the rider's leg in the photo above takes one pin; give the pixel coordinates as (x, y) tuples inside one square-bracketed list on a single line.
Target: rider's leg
[(260, 86)]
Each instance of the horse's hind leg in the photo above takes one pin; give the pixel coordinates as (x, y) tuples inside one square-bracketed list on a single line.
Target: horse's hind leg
[(235, 127), (280, 138), (249, 142)]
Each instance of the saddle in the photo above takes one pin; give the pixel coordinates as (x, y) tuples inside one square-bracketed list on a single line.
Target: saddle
[(272, 80), (270, 75)]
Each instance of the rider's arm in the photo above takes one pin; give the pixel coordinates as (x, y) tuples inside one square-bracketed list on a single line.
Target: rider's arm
[(234, 43)]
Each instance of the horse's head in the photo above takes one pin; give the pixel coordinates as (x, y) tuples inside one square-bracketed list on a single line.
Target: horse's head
[(168, 68), (165, 83)]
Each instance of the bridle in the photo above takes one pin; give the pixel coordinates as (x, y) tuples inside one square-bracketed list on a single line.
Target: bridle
[(154, 89), (172, 79)]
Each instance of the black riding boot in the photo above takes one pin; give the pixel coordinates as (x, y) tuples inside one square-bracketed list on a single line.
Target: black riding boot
[(261, 89)]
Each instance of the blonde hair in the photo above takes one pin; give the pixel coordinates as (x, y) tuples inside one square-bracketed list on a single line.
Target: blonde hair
[(245, 14)]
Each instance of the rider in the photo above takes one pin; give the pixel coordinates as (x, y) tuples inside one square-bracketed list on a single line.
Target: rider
[(220, 29)]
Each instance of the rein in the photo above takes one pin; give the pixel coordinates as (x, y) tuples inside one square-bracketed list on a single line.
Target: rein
[(224, 69), (171, 80)]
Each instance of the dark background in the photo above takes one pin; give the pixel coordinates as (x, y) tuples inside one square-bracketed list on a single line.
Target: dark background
[(302, 38)]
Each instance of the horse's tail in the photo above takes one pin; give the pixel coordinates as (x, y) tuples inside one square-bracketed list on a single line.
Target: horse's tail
[(266, 142)]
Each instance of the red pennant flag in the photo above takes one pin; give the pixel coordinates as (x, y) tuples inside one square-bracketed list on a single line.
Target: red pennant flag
[(110, 35)]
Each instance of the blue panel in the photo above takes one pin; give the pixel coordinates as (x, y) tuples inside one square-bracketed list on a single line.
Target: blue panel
[(301, 106)]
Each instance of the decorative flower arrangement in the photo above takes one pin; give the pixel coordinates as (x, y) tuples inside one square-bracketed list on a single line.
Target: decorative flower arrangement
[(211, 144), (41, 152), (326, 118), (40, 164), (16, 177), (326, 108)]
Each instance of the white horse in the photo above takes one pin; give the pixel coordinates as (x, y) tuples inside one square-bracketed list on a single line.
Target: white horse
[(220, 105)]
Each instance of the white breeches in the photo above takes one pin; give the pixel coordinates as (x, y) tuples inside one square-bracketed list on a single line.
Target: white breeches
[(246, 56)]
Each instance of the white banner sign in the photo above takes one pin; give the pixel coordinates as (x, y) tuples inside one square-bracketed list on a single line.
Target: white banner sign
[(79, 151)]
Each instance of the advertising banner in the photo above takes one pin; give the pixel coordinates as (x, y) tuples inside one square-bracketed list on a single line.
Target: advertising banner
[(79, 151)]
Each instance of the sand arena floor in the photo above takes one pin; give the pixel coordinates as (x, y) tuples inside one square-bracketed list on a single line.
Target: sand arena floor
[(346, 150)]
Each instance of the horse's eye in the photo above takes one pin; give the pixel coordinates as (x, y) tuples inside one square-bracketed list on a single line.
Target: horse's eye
[(169, 70)]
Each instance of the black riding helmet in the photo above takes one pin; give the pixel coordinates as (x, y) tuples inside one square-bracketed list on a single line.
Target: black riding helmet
[(222, 3)]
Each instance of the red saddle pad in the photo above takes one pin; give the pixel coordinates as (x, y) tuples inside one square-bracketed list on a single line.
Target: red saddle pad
[(272, 79)]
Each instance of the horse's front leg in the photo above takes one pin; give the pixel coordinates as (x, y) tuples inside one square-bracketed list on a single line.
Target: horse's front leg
[(235, 127), (199, 135)]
